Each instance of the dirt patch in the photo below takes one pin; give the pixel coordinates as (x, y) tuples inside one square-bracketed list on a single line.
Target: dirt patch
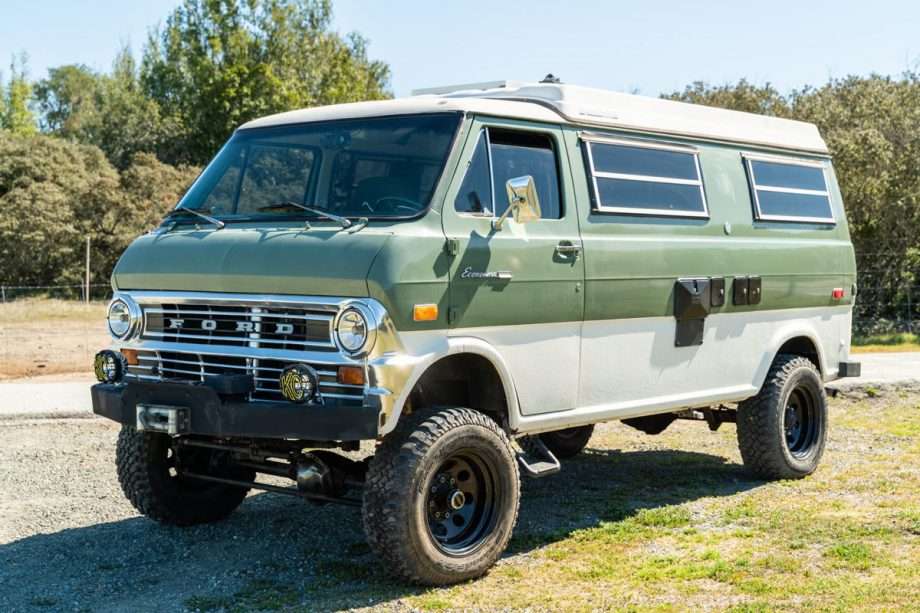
[(39, 337)]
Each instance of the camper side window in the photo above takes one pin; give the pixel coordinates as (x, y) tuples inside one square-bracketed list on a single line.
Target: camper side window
[(789, 190), (644, 178)]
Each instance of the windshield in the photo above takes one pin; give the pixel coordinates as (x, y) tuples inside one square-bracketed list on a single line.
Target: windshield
[(384, 167)]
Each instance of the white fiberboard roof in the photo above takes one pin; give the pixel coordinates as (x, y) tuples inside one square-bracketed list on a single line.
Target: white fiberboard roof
[(581, 106)]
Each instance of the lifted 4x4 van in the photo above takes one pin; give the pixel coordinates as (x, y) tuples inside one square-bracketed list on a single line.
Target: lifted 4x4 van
[(451, 272)]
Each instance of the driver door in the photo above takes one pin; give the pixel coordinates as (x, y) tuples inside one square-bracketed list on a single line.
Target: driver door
[(518, 288)]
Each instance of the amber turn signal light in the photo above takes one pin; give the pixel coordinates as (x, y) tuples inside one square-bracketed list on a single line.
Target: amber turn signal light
[(351, 375), (425, 312), (130, 356)]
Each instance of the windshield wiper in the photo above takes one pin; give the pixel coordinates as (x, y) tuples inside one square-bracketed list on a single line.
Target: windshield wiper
[(208, 218), (342, 221)]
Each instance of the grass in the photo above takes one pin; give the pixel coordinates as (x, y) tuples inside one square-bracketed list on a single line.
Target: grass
[(885, 343), (40, 310), (673, 523)]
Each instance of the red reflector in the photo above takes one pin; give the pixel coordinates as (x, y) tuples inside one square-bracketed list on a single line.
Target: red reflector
[(837, 293)]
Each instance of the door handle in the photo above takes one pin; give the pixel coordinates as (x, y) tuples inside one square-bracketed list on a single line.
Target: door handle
[(568, 248)]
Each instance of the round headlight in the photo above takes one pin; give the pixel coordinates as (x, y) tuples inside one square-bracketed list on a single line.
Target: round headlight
[(351, 330), (122, 318)]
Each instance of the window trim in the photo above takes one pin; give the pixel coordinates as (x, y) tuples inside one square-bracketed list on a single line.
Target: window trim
[(588, 139), (748, 158), (554, 147)]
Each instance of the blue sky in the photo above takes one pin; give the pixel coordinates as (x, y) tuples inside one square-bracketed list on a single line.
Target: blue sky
[(649, 47)]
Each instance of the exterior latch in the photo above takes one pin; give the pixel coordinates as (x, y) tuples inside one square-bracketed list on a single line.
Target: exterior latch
[(452, 246)]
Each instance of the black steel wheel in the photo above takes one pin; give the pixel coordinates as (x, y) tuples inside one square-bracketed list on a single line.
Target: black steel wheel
[(782, 430), (441, 496), (801, 422), (461, 503)]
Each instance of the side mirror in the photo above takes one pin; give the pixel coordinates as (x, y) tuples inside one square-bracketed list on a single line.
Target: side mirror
[(523, 202)]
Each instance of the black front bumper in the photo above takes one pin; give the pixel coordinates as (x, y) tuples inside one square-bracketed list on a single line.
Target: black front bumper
[(210, 414)]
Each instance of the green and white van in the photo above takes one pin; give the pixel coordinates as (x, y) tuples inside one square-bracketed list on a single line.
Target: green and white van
[(472, 277)]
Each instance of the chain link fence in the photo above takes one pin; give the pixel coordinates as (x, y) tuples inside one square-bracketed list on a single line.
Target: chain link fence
[(97, 291), (888, 294)]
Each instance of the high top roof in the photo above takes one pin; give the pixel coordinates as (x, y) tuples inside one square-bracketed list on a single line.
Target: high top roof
[(584, 106)]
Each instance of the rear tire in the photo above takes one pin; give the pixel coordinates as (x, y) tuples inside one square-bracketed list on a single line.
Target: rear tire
[(441, 496), (147, 465), (566, 443), (782, 430)]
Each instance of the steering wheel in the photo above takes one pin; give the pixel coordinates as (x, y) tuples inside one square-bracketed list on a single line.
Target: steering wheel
[(396, 203)]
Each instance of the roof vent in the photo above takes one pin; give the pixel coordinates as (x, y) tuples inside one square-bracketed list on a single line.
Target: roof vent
[(550, 78)]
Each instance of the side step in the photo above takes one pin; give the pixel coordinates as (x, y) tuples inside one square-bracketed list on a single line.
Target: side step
[(537, 460)]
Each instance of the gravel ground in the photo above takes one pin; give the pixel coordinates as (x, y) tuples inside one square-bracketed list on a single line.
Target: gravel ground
[(69, 541)]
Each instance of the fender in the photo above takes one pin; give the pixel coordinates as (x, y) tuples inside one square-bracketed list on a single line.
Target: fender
[(425, 349)]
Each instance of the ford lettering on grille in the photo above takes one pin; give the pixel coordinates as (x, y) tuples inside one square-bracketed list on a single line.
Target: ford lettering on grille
[(281, 327)]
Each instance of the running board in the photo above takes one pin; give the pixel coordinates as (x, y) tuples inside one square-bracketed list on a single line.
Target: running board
[(544, 465)]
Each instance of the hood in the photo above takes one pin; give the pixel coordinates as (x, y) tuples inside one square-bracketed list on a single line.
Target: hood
[(319, 262)]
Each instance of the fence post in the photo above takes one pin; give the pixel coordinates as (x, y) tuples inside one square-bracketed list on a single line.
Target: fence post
[(86, 293), (910, 312)]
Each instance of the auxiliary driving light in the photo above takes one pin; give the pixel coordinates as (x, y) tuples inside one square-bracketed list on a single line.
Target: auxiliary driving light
[(299, 383), (109, 366)]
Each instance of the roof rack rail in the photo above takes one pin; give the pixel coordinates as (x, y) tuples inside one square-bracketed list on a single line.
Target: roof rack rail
[(462, 87)]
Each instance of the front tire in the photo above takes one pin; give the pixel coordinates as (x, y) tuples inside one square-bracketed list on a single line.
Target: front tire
[(147, 471), (782, 430), (441, 496)]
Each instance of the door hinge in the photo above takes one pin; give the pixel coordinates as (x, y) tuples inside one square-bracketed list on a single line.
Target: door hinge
[(451, 316), (452, 246)]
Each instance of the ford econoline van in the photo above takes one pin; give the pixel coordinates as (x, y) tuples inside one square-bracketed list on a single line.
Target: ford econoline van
[(471, 278)]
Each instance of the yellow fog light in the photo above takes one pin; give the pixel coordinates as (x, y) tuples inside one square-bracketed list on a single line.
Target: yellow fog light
[(109, 366), (298, 383)]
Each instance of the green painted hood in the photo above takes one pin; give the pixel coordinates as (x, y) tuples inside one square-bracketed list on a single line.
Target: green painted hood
[(290, 260)]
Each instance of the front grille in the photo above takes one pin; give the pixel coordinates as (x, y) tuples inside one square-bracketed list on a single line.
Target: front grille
[(291, 328), (187, 366)]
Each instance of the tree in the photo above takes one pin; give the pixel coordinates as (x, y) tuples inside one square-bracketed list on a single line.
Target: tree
[(66, 101), (16, 115), (741, 96), (54, 194), (219, 63), (110, 111)]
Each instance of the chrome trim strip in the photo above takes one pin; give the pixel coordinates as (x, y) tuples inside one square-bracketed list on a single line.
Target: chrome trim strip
[(324, 358), (250, 313), (645, 178), (325, 303), (261, 340)]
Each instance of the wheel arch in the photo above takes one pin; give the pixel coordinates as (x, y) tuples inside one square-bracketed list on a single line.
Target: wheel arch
[(801, 341), (467, 372)]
